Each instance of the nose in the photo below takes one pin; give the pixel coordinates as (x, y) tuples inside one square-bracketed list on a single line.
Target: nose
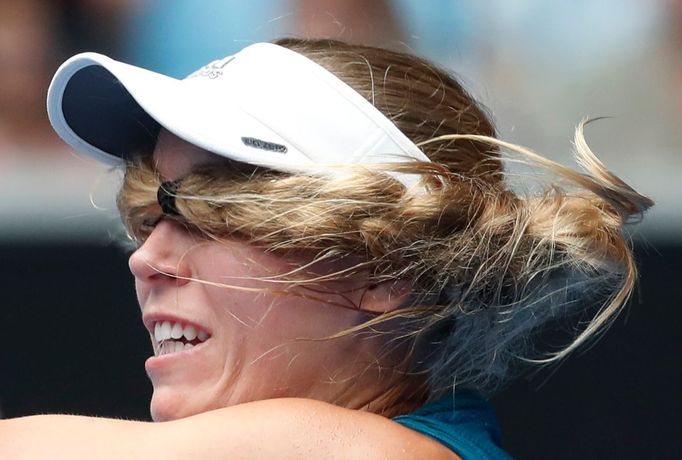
[(160, 259)]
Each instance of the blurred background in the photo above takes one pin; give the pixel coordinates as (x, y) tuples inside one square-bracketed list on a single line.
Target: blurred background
[(539, 66)]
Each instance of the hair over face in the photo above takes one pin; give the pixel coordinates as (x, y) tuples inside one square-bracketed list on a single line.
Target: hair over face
[(490, 267)]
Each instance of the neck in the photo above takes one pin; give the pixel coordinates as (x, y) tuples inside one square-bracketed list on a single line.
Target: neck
[(385, 392)]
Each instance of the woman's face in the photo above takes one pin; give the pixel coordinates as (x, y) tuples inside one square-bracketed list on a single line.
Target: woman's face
[(244, 337)]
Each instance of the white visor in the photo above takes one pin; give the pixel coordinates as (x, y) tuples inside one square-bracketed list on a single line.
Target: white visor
[(266, 105)]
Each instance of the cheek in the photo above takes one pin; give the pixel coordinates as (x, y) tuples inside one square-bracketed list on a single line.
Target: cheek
[(288, 317), (263, 320)]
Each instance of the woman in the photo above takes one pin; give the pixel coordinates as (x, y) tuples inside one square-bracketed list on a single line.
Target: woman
[(329, 259)]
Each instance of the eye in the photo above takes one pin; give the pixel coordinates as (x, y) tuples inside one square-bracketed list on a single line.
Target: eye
[(139, 231), (148, 224)]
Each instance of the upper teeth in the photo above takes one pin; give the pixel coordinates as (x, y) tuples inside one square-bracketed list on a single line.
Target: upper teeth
[(167, 330)]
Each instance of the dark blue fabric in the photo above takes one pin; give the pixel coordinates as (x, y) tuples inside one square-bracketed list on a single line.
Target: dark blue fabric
[(463, 422)]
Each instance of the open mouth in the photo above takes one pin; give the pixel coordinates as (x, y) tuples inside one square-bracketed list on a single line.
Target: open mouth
[(173, 337)]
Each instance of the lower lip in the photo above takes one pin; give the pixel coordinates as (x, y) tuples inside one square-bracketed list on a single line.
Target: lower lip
[(155, 363)]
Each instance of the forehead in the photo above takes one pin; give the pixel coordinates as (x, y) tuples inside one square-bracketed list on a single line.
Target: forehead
[(175, 158)]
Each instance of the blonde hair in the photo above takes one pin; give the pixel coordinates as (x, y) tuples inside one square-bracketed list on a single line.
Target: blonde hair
[(490, 267)]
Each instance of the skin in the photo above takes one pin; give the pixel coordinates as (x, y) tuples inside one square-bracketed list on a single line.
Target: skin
[(250, 382), (262, 430)]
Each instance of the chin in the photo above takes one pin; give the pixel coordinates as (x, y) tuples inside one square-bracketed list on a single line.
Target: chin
[(166, 406)]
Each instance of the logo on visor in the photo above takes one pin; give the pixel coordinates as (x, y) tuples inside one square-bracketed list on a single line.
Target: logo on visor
[(264, 145), (212, 70)]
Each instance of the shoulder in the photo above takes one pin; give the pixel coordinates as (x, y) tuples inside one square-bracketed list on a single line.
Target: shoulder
[(277, 428), (304, 428)]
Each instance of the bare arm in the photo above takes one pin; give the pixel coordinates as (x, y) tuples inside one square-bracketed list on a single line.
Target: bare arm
[(280, 428)]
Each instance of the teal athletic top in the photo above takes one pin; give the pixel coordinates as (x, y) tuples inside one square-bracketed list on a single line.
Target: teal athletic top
[(465, 423)]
